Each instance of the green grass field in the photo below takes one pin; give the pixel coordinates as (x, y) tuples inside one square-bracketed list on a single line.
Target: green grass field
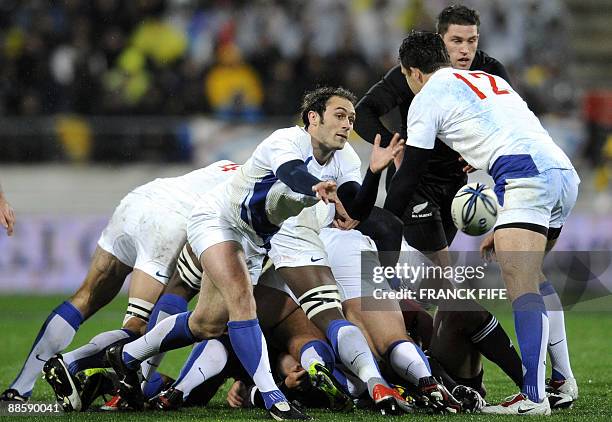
[(588, 332)]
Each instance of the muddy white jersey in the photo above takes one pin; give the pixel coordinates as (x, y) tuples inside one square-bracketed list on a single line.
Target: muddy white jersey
[(259, 202), (482, 118), (182, 193)]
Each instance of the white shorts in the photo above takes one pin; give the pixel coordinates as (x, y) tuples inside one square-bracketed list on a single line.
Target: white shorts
[(297, 246), (545, 199), (270, 278), (145, 236), (208, 227), (353, 257)]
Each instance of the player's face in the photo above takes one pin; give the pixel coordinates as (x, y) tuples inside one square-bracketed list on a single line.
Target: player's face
[(413, 80), (461, 42), (334, 129)]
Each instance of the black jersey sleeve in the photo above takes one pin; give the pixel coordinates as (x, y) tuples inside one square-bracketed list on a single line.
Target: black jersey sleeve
[(407, 178), (391, 91), (482, 61), (358, 200)]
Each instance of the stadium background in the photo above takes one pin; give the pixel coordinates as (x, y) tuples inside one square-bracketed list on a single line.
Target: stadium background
[(97, 97)]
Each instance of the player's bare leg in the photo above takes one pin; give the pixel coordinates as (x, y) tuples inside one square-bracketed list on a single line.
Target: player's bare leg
[(225, 265), (103, 281), (318, 293), (519, 253)]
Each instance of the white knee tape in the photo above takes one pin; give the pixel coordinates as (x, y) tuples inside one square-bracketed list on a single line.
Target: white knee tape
[(138, 308), (188, 270), (319, 299)]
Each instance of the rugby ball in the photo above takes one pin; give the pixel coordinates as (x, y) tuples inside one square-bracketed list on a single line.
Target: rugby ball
[(474, 209)]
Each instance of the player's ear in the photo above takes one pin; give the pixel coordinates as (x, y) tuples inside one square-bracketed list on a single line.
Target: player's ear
[(313, 118)]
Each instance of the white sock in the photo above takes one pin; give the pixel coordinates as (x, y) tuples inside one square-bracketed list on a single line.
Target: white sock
[(408, 363), (171, 333), (55, 335), (203, 364), (96, 345), (557, 340), (355, 353)]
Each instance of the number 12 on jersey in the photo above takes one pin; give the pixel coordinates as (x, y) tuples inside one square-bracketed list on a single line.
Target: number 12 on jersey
[(477, 91)]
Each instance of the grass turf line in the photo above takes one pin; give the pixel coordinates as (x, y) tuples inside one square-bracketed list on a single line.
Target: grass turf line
[(588, 333)]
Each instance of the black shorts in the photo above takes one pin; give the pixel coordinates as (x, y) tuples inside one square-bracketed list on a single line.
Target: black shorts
[(428, 226)]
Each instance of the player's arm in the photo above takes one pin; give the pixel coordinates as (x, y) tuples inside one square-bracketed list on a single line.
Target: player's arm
[(295, 174), (407, 178), (423, 123), (7, 215), (381, 98), (359, 199)]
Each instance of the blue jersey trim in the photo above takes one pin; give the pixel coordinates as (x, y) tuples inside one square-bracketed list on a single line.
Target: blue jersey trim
[(511, 167), (254, 214)]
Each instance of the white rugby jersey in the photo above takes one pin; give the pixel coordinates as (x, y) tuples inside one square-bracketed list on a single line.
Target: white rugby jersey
[(182, 193), (481, 117), (260, 203)]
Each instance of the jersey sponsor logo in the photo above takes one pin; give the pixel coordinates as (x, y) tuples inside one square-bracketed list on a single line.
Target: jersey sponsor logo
[(417, 211), (161, 275), (353, 361), (419, 207)]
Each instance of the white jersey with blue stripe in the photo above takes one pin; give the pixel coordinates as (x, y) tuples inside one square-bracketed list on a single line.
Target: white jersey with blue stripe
[(259, 202), (482, 118), (182, 193)]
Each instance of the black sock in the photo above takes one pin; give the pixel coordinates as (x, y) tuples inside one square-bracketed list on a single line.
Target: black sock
[(494, 344)]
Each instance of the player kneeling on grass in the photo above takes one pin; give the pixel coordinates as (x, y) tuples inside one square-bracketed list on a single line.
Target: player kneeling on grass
[(143, 237)]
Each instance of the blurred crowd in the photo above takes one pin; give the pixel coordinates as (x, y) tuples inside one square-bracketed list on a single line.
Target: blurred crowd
[(245, 59)]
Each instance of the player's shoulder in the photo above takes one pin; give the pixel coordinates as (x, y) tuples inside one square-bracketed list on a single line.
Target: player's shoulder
[(293, 133), (437, 85), (294, 139), (482, 61)]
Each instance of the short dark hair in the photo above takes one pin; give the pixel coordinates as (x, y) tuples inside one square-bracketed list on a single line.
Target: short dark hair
[(316, 100), (425, 51), (456, 14)]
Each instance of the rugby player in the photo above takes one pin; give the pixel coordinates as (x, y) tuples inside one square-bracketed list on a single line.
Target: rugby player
[(231, 232), (476, 114), (143, 237), (428, 226)]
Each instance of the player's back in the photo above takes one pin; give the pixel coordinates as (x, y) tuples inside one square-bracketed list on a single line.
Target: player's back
[(182, 193), (482, 117)]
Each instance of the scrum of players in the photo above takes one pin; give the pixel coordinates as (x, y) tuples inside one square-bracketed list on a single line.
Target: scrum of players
[(274, 249)]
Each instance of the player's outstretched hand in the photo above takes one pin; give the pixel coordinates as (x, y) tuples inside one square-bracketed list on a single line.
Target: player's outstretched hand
[(382, 157), (467, 168), (326, 191), (342, 220), (7, 215), (487, 248)]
